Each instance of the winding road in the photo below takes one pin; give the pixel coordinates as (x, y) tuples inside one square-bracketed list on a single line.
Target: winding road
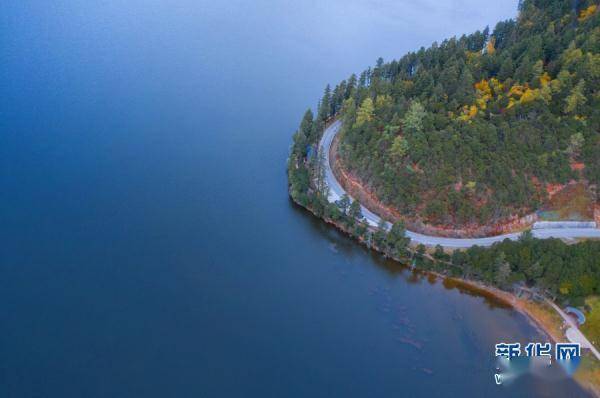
[(336, 192)]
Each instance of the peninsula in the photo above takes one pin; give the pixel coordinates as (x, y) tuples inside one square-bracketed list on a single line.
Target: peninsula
[(477, 158)]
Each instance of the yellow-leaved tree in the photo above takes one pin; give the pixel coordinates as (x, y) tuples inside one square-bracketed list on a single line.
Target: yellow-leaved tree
[(365, 112), (576, 98), (491, 46), (587, 12)]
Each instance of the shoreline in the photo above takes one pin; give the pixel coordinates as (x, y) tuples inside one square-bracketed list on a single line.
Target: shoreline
[(537, 315)]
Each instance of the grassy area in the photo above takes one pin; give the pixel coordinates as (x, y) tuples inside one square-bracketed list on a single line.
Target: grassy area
[(574, 202), (588, 374), (550, 321), (591, 327)]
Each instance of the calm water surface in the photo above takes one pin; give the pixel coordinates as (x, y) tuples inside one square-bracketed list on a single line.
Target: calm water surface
[(149, 248)]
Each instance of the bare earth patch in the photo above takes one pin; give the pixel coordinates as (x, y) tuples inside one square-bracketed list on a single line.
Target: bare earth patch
[(574, 201)]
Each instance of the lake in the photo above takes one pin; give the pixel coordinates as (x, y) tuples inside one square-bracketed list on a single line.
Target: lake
[(149, 245)]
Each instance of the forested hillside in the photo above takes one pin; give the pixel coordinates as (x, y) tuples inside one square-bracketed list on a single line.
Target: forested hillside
[(474, 129)]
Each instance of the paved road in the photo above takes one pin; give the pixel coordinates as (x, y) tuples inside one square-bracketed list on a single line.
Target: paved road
[(336, 191)]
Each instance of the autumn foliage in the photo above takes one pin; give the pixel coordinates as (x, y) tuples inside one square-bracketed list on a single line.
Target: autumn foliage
[(471, 130)]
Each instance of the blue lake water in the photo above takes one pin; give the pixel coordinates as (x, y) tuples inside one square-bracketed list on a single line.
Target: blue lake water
[(149, 248)]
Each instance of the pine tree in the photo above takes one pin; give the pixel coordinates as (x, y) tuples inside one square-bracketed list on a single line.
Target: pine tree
[(365, 112), (413, 120), (325, 105), (344, 203)]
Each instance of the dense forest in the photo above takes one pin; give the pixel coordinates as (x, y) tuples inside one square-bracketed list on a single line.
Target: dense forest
[(471, 130), (567, 272), (473, 127)]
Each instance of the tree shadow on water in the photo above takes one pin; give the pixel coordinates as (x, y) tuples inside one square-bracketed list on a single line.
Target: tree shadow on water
[(351, 249)]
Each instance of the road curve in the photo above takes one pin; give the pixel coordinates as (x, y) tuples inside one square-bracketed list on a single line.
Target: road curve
[(336, 192)]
